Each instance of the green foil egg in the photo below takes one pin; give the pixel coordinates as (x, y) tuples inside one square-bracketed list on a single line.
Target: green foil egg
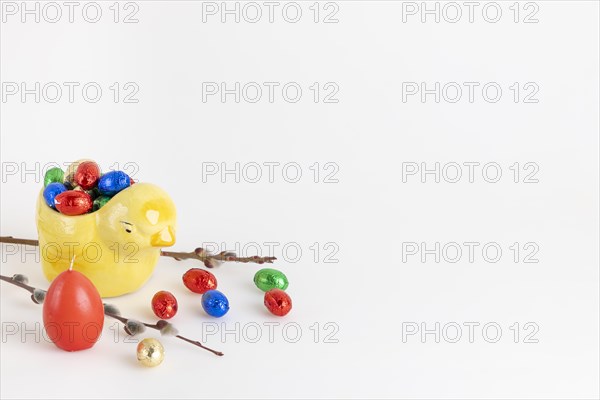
[(100, 202), (94, 193), (268, 278), (53, 175)]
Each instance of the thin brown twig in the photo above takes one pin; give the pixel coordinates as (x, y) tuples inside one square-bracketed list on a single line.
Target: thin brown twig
[(123, 320), (209, 259), (25, 286), (155, 326), (199, 254), (10, 239)]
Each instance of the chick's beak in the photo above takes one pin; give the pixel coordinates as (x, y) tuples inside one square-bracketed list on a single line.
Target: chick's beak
[(164, 238)]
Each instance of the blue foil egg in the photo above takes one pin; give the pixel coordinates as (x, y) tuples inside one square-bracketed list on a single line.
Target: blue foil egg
[(215, 303), (113, 182), (51, 191)]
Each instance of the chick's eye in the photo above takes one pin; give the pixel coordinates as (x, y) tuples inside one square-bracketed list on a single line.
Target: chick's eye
[(128, 227)]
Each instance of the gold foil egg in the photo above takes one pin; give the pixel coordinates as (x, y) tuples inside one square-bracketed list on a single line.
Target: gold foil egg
[(150, 353)]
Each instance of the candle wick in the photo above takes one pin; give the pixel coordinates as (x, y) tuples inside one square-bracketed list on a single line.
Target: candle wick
[(72, 261)]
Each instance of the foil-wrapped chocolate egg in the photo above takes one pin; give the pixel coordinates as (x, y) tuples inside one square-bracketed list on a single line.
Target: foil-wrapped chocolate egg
[(51, 191), (278, 302), (100, 202), (150, 352), (69, 175), (94, 193), (73, 202), (215, 303), (199, 280), (53, 175), (164, 305), (269, 278), (87, 175), (113, 182)]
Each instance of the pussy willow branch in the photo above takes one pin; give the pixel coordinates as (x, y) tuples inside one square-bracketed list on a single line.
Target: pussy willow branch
[(25, 286), (209, 259), (199, 254), (155, 326), (123, 320)]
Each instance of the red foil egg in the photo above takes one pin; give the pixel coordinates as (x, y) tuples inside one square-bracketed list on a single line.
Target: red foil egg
[(199, 280), (164, 305), (278, 302), (87, 175), (73, 202)]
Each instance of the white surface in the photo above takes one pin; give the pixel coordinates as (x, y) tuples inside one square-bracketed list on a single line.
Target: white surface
[(370, 294)]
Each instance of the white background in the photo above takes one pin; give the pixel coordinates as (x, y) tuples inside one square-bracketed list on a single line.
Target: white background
[(370, 294)]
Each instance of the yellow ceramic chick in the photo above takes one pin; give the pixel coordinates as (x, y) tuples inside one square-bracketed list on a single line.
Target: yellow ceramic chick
[(117, 246)]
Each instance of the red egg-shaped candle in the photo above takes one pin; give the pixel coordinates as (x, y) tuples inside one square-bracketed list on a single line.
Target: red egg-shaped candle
[(199, 280), (164, 304), (278, 302), (87, 175), (73, 202), (73, 312)]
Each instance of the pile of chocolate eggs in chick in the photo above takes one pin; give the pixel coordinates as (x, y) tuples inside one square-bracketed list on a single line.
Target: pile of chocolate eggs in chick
[(82, 188)]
